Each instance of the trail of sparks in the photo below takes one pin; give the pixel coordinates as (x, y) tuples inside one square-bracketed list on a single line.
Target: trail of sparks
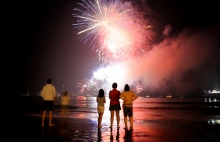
[(112, 28), (87, 84)]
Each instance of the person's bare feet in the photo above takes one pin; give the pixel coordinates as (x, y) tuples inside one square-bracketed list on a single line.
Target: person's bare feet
[(51, 124), (110, 128)]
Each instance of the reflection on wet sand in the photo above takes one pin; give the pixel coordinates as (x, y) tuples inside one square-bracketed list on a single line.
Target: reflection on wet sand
[(151, 120), (46, 133), (154, 120), (128, 136), (99, 136), (116, 137)]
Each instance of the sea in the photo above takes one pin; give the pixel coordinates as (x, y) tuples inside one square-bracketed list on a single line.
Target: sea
[(175, 117), (194, 109)]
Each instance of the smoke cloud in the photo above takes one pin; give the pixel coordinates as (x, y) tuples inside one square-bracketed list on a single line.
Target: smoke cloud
[(183, 64)]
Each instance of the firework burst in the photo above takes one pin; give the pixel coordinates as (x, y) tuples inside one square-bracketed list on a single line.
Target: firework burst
[(138, 88), (87, 84), (113, 28)]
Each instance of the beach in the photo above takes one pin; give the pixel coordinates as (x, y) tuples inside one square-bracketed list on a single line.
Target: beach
[(163, 121)]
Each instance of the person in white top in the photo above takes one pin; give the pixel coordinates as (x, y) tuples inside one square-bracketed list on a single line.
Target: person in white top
[(48, 94), (65, 100), (128, 97), (100, 106)]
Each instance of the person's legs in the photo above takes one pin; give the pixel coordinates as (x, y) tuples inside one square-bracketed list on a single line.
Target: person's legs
[(62, 112), (118, 118), (100, 120), (131, 122), (125, 117), (50, 106), (50, 118), (67, 112), (125, 121), (45, 105), (112, 118), (131, 118), (43, 118)]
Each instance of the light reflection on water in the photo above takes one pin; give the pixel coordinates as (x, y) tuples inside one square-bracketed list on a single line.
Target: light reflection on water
[(152, 108), (147, 103), (145, 109), (155, 119), (214, 121)]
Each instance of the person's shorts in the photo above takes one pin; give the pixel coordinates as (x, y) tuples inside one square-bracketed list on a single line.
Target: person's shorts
[(100, 109), (65, 107), (115, 107), (128, 111), (48, 105)]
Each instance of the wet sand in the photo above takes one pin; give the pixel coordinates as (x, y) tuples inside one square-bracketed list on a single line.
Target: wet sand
[(81, 126), (27, 128)]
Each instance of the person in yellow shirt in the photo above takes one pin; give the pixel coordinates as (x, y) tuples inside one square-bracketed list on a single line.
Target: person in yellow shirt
[(128, 97), (65, 100), (48, 94)]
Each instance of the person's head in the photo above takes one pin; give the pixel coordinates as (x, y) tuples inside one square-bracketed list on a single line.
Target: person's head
[(127, 88), (49, 81), (65, 93), (101, 93), (114, 85)]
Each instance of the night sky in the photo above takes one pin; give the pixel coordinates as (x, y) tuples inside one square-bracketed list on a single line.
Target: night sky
[(42, 43)]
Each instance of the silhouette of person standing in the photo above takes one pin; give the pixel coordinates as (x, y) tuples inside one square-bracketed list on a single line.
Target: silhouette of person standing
[(48, 94), (100, 106), (114, 104), (128, 97)]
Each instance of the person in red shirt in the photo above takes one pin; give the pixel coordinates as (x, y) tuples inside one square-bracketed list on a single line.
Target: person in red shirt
[(114, 104)]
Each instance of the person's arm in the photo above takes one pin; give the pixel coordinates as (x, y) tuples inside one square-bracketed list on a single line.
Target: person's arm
[(55, 95), (41, 93), (109, 95), (121, 96), (55, 100), (68, 99), (135, 96)]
